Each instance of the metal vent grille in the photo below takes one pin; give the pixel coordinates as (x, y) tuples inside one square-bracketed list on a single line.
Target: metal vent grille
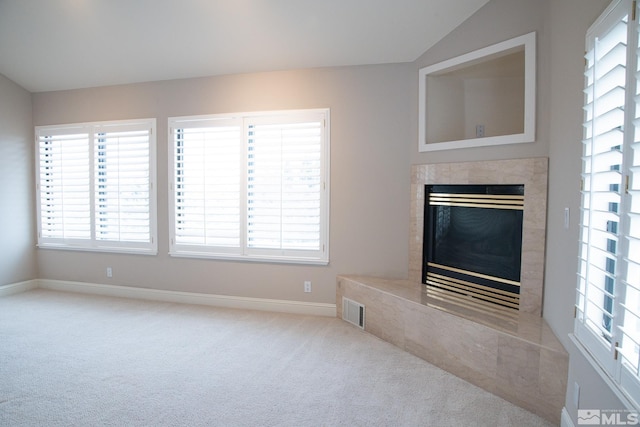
[(353, 312)]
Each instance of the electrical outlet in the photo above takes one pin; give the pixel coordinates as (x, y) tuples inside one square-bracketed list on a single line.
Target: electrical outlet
[(109, 272), (307, 286), (479, 131)]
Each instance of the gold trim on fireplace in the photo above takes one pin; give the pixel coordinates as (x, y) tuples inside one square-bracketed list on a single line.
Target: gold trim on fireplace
[(475, 305), (487, 290), (495, 201), (481, 196), (461, 301), (466, 292), (474, 274)]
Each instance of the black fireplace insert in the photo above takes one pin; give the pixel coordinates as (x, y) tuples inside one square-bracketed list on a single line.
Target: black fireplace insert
[(473, 241)]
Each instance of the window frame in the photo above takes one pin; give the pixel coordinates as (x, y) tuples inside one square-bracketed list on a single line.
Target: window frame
[(612, 243), (92, 243), (244, 252)]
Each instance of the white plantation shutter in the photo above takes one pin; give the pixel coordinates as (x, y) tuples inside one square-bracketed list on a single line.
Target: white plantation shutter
[(605, 78), (253, 186), (629, 325), (95, 186), (608, 297), (207, 178), (284, 188), (122, 182), (64, 186)]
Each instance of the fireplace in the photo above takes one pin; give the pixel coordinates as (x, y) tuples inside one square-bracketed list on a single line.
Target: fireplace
[(531, 174), (473, 245), (515, 356)]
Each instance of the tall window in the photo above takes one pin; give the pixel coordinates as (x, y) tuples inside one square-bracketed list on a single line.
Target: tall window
[(95, 186), (251, 186), (608, 297)]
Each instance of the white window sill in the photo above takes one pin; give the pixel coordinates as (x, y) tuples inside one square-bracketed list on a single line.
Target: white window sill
[(627, 401), (131, 251), (251, 258)]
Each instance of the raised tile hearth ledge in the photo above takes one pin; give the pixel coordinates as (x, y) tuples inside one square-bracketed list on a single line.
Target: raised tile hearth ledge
[(523, 362), (527, 327)]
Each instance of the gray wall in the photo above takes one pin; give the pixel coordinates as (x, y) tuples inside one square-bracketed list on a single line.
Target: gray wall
[(370, 127), (17, 217)]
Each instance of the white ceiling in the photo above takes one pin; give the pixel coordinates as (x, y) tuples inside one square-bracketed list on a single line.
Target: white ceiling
[(64, 44)]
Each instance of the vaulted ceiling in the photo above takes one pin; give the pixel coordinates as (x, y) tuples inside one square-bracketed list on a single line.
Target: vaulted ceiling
[(64, 44)]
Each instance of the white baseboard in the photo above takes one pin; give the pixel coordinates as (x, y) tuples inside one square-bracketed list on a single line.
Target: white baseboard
[(15, 288), (565, 420), (261, 304)]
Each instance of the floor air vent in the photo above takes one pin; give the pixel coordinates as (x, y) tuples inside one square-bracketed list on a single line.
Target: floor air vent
[(353, 312)]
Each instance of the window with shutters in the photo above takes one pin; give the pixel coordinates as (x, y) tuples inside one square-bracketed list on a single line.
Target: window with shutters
[(95, 186), (608, 294), (251, 186)]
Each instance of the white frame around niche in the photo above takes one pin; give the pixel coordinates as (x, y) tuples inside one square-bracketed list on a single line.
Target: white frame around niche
[(529, 43)]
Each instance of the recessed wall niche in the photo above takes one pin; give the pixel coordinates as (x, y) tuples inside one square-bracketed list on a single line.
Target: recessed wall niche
[(485, 97)]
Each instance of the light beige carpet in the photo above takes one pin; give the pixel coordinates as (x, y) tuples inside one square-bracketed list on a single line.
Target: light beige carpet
[(79, 360)]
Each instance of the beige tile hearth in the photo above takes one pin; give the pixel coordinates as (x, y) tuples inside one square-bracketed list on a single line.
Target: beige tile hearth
[(522, 362)]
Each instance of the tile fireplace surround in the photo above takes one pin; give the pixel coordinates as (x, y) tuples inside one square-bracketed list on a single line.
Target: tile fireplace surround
[(521, 360)]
